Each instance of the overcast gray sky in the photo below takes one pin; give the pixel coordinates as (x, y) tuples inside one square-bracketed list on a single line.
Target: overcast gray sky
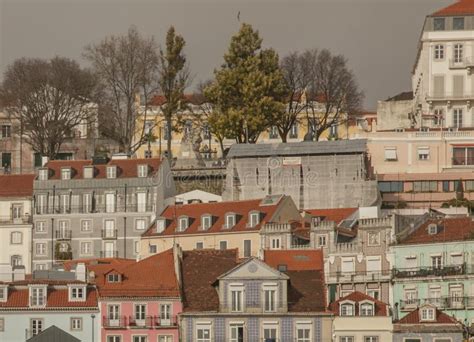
[(378, 37)]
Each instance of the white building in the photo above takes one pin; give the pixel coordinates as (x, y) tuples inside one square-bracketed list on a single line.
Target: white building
[(443, 87), (15, 220), (197, 196)]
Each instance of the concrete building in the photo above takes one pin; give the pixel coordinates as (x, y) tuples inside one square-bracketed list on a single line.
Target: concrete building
[(197, 196), (61, 299), (361, 318), (96, 208), (16, 222), (428, 324), (325, 174), (219, 225), (433, 265), (227, 300)]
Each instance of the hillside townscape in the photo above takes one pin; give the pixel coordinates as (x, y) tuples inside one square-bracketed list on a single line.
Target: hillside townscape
[(264, 204)]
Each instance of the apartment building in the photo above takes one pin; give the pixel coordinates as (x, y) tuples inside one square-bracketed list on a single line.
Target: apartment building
[(324, 174), (427, 323), (361, 318), (228, 300), (29, 307), (139, 301), (16, 222), (219, 225), (96, 208), (433, 265)]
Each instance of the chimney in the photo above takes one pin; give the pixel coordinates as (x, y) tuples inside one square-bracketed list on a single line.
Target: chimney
[(44, 160), (19, 273), (81, 272)]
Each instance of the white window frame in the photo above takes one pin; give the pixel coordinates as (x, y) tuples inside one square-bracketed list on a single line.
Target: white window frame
[(3, 293), (221, 242), (41, 224), (40, 251), (230, 220), (142, 171), (439, 52), (43, 174), (271, 304), (66, 173), (363, 311), (77, 293), (138, 226), (76, 324), (427, 314), (343, 309), (36, 325), (304, 326), (346, 339), (16, 238), (203, 327), (83, 250), (86, 226), (254, 219), (322, 240), (236, 295), (275, 243), (183, 223), (206, 222), (423, 153), (390, 154), (458, 53), (111, 171), (38, 296)]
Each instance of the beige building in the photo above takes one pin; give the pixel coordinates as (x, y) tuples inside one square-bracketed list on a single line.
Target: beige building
[(220, 225), (361, 318)]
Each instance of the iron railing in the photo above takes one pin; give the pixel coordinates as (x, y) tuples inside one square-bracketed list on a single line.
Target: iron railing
[(441, 271), (132, 322)]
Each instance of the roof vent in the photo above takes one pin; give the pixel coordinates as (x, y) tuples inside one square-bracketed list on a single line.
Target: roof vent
[(100, 160)]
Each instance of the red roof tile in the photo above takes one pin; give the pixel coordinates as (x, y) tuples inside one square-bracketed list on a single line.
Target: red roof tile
[(336, 215), (306, 291), (381, 308), (16, 185), (200, 270), (414, 318), (462, 7), (126, 168), (151, 277), (217, 210), (449, 229), (97, 262), (18, 297), (295, 260)]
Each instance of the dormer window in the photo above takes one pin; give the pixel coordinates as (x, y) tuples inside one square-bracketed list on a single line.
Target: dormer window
[(111, 171), (366, 309), (229, 221), (427, 314), (113, 278), (160, 225), (65, 173), (254, 219), (3, 294), (88, 172), (43, 174), (77, 293), (38, 296), (206, 222), (433, 229), (142, 171), (183, 223), (347, 309)]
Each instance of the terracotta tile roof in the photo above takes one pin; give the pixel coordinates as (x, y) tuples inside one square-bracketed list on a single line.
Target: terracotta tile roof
[(16, 185), (295, 260), (336, 214), (126, 168), (18, 297), (151, 277), (414, 318), (449, 229), (381, 308), (97, 262), (306, 291), (462, 7), (217, 210), (200, 270)]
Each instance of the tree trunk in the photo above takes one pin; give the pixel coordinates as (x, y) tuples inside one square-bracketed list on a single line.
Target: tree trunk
[(168, 141)]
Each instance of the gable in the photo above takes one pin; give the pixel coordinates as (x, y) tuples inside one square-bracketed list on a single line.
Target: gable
[(252, 269)]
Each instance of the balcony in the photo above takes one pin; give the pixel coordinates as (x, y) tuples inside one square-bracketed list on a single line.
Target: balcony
[(443, 271), (93, 209), (63, 234), (465, 63), (109, 234), (249, 306), (442, 303), (109, 254), (8, 220), (449, 96), (149, 322), (358, 276)]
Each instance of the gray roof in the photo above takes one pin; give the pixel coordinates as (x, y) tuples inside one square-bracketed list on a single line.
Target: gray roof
[(300, 148), (53, 334)]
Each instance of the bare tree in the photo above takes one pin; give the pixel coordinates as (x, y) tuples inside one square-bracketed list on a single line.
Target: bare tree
[(174, 78), (127, 68), (298, 71), (50, 98), (334, 86)]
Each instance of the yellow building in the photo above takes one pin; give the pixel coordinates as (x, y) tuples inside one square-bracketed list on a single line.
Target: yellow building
[(220, 225), (193, 137)]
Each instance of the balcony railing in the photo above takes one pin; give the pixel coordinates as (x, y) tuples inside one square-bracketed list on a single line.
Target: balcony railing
[(109, 234), (252, 306), (63, 234), (442, 271), (109, 254), (15, 220), (358, 276), (442, 303), (85, 209), (148, 322), (447, 96)]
